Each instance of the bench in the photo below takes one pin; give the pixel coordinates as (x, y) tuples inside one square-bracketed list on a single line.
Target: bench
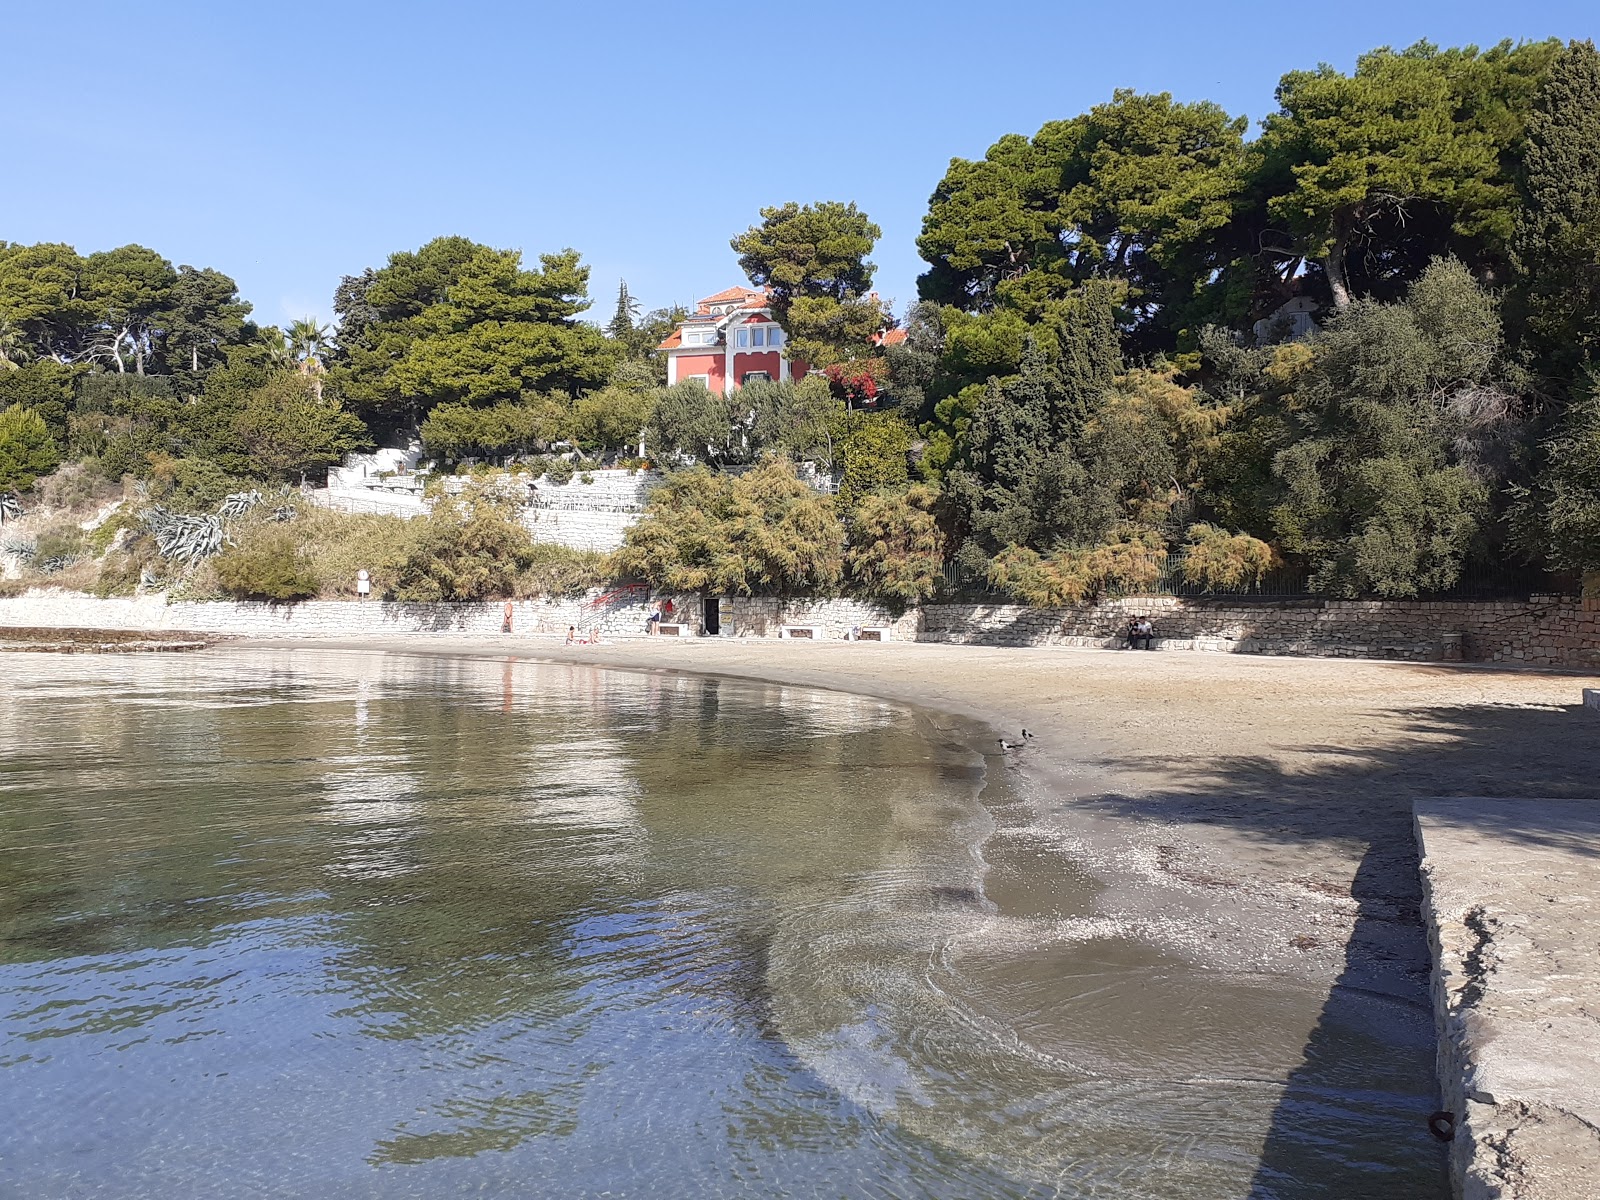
[(811, 632), (663, 629), (872, 633)]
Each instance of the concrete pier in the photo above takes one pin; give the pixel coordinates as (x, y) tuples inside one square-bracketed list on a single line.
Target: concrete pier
[(1512, 904)]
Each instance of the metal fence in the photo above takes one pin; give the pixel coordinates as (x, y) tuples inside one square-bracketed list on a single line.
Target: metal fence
[(1478, 582)]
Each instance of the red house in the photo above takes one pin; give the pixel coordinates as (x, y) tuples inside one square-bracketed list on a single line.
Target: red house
[(729, 340)]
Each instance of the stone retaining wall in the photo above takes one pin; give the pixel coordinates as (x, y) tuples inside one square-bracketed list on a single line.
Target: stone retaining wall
[(1548, 631), (1553, 631)]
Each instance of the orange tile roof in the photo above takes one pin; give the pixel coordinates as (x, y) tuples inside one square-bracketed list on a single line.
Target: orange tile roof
[(674, 340), (733, 293), (891, 337)]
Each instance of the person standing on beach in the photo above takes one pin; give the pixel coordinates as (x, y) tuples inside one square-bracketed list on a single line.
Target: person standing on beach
[(505, 623), (363, 584)]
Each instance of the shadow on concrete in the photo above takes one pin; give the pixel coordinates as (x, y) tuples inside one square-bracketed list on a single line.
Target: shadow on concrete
[(1361, 799)]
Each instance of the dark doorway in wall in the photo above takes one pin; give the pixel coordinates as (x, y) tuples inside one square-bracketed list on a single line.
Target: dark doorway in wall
[(713, 616)]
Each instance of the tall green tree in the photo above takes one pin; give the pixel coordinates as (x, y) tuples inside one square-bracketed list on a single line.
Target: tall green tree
[(41, 296), (1024, 480), (1558, 235), (625, 316), (1388, 476), (203, 316), (1558, 518), (129, 289), (1370, 174), (456, 322), (1139, 189), (288, 430), (813, 258)]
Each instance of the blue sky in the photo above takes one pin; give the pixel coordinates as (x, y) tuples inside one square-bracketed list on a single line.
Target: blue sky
[(289, 147)]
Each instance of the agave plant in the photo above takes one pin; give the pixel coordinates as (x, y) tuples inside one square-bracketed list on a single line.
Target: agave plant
[(22, 549), (55, 563), (285, 512), (10, 507), (181, 536), (236, 504)]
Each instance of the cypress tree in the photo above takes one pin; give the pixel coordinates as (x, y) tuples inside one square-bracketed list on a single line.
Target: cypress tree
[(621, 326), (1558, 235)]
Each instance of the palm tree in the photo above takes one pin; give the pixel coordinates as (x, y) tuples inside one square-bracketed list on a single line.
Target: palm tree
[(308, 342)]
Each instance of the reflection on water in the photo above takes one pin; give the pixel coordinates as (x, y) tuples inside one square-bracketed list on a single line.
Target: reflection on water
[(362, 925)]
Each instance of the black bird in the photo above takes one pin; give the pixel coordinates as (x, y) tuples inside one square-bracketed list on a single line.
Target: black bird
[(1005, 745), (1026, 736)]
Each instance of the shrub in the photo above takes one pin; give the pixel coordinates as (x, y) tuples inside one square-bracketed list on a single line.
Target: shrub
[(1129, 564), (469, 547), (337, 545), (27, 450), (552, 570), (896, 548), (268, 567), (764, 531), (1219, 559)]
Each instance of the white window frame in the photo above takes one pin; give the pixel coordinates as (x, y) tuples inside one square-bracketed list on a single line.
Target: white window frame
[(744, 337), (705, 380)]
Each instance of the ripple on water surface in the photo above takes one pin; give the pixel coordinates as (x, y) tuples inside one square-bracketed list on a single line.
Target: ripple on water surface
[(362, 925)]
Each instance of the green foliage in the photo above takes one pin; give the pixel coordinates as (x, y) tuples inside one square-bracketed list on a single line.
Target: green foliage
[(188, 485), (456, 431), (27, 450), (614, 418), (268, 567), (1139, 189), (874, 447), (1380, 488), (1215, 558), (1559, 517), (814, 260), (760, 532), (691, 421), (456, 322), (1024, 479), (1371, 156), (896, 551), (1130, 562), (802, 421), (553, 570), (470, 546), (1558, 231), (288, 429)]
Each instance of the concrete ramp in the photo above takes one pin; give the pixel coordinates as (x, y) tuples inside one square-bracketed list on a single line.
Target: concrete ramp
[(1512, 904)]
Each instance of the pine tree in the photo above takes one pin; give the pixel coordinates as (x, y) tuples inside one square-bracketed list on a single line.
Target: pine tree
[(1558, 236), (621, 327)]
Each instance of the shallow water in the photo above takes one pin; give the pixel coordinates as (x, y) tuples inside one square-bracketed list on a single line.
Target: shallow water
[(296, 924)]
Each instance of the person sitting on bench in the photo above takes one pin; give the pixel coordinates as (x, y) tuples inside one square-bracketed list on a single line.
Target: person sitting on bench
[(1142, 630)]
